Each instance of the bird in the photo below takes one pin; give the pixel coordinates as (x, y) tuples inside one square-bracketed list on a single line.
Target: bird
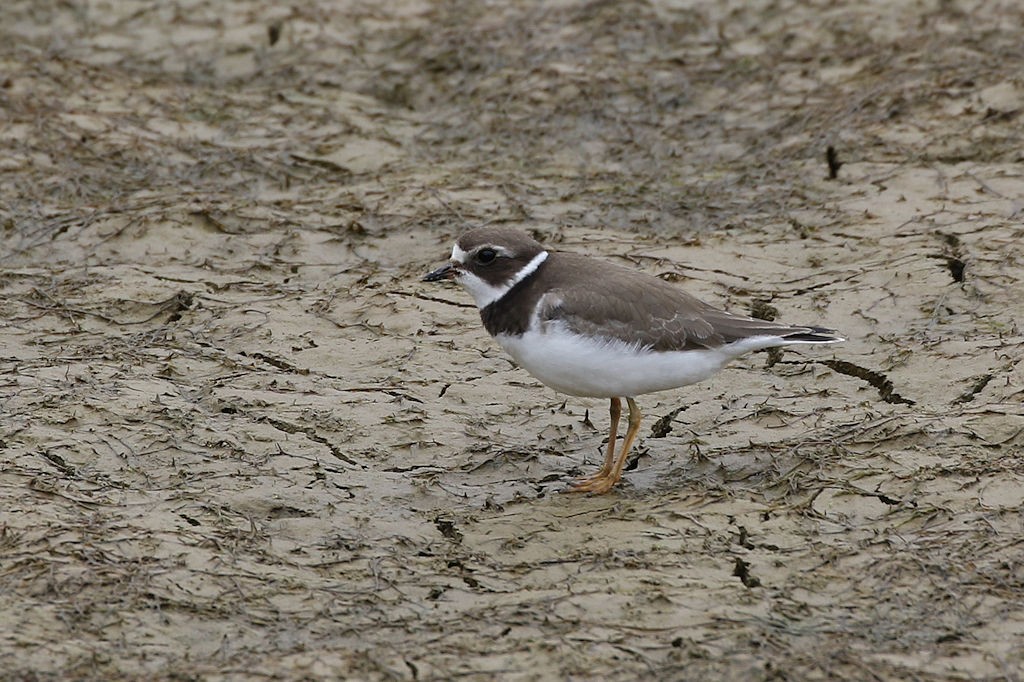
[(591, 328)]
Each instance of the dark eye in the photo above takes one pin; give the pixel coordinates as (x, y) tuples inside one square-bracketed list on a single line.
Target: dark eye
[(486, 256)]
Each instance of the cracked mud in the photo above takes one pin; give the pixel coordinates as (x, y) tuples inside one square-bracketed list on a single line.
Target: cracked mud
[(238, 436)]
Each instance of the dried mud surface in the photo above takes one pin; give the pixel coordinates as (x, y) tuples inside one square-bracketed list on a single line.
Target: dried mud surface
[(240, 439)]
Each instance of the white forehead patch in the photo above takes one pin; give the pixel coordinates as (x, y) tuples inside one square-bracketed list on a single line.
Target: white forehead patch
[(484, 293), (461, 256)]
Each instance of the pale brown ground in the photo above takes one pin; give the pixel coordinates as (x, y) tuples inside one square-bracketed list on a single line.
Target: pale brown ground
[(241, 439)]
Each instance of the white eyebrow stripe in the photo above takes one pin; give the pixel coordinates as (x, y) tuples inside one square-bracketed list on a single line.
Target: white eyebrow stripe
[(460, 255), (528, 269)]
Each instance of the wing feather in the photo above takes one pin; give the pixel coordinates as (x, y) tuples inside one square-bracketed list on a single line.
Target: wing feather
[(646, 312)]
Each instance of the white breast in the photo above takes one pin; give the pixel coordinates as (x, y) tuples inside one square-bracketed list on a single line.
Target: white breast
[(607, 368)]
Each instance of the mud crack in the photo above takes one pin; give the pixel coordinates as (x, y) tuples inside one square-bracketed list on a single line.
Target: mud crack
[(277, 362), (310, 433), (741, 569), (979, 386), (663, 426), (953, 256), (885, 387), (448, 529)]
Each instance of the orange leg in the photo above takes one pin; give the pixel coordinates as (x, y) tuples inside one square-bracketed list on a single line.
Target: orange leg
[(611, 472), (615, 411)]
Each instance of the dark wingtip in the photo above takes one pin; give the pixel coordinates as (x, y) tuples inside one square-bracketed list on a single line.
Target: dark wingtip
[(815, 335)]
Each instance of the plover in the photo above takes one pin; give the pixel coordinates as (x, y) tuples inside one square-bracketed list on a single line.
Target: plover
[(587, 327)]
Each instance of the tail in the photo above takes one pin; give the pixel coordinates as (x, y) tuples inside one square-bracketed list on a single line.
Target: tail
[(769, 335), (809, 335)]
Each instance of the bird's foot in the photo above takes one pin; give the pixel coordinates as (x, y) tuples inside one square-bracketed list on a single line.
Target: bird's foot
[(598, 483)]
